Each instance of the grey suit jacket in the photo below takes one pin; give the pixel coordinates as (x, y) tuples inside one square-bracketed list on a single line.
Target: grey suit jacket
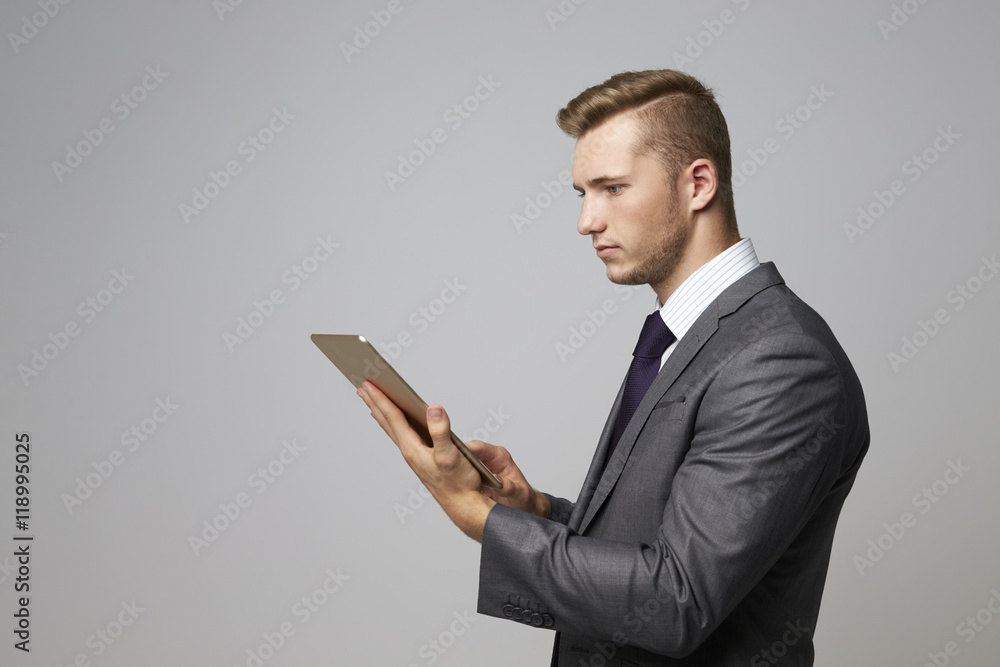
[(706, 540)]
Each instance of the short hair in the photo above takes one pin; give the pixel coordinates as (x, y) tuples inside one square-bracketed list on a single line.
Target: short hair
[(678, 118)]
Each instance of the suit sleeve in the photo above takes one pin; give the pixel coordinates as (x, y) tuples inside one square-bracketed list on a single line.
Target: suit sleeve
[(753, 475), (560, 509)]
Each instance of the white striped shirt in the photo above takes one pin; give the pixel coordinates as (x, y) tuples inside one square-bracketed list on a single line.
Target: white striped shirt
[(702, 287)]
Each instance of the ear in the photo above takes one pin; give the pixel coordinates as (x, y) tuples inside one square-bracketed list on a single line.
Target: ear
[(699, 182)]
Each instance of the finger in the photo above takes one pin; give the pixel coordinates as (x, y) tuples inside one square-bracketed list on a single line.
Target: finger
[(377, 414), (479, 448), (513, 489), (491, 455), (391, 418), (439, 426)]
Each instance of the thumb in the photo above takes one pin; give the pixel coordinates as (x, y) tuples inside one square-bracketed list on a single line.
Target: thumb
[(439, 426)]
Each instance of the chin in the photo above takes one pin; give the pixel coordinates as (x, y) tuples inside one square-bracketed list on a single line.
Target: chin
[(624, 277)]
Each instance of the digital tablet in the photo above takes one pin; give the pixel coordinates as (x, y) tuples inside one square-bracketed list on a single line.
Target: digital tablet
[(358, 360)]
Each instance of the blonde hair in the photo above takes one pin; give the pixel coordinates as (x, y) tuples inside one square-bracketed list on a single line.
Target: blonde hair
[(678, 119)]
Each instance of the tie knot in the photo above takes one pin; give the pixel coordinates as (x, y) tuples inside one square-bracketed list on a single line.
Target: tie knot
[(654, 339)]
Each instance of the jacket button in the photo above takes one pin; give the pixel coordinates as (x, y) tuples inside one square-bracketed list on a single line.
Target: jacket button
[(548, 621), (536, 620), (508, 610)]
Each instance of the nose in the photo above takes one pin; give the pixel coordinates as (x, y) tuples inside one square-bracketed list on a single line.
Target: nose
[(591, 219)]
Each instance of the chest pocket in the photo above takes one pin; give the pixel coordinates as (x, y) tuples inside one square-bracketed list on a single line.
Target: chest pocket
[(669, 409)]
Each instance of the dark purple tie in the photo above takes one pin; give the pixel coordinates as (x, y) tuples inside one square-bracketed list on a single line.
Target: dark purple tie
[(654, 340)]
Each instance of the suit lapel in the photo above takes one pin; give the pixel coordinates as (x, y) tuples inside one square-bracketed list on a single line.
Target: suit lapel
[(598, 484), (594, 474)]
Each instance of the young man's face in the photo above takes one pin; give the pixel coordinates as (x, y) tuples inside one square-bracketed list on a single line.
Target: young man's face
[(629, 208)]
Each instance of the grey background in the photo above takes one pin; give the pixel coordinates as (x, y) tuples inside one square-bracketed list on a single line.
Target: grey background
[(338, 505)]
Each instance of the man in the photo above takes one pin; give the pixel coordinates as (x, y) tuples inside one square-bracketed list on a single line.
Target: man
[(703, 531)]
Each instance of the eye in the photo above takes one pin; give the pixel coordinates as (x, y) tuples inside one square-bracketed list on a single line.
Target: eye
[(615, 189)]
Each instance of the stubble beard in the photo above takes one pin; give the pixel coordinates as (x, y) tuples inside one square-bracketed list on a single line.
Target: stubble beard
[(661, 257)]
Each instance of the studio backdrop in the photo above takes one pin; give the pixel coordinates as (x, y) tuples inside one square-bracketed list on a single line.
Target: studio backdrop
[(189, 190)]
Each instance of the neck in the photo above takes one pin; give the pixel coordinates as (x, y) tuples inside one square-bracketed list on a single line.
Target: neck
[(707, 240)]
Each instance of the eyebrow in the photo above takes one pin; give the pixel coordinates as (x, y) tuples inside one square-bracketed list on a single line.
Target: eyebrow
[(600, 180)]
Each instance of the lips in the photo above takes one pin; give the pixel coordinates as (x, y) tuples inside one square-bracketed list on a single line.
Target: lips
[(605, 250)]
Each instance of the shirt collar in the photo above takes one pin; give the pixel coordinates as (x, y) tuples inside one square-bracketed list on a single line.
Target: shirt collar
[(703, 286)]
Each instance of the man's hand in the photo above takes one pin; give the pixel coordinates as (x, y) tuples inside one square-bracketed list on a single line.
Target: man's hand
[(443, 469), (516, 491)]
